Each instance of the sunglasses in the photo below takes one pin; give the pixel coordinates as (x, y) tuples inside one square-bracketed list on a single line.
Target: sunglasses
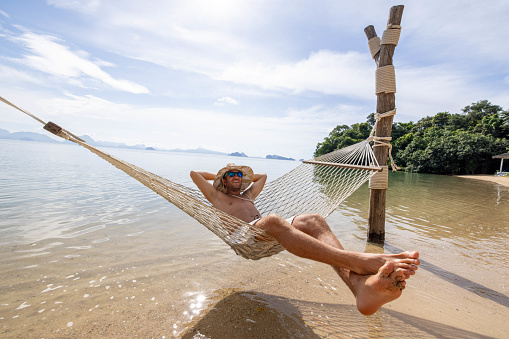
[(232, 174)]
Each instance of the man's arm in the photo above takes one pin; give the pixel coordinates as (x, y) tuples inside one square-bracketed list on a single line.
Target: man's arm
[(257, 186), (200, 180)]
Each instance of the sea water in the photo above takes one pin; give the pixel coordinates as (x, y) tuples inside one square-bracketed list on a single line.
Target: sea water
[(81, 240)]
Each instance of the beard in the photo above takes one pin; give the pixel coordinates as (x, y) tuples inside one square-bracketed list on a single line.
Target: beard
[(233, 187)]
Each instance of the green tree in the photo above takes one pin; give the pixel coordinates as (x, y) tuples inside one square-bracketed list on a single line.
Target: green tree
[(342, 136), (447, 152), (476, 112), (443, 144), (457, 122)]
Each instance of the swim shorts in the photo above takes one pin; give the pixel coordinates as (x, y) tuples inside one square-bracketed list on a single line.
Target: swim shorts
[(245, 236), (290, 220), (243, 242)]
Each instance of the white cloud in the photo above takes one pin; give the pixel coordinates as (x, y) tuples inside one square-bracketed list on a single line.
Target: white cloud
[(226, 100), (468, 33), (49, 55), (347, 74), (10, 76), (4, 14), (227, 40), (85, 6)]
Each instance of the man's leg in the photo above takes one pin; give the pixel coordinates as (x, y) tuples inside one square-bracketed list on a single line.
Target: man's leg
[(310, 237), (370, 291)]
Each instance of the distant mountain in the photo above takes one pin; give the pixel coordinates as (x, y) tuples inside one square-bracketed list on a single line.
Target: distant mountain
[(26, 136), (31, 136), (197, 150), (238, 154), (92, 142), (278, 157)]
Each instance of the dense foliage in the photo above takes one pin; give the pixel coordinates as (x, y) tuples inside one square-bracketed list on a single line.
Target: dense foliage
[(442, 144)]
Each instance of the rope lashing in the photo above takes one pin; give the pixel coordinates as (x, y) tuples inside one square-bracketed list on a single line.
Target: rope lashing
[(389, 37), (374, 46), (383, 141), (385, 80), (378, 117), (380, 180)]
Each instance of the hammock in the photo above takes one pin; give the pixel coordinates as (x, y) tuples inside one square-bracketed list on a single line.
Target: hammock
[(316, 186)]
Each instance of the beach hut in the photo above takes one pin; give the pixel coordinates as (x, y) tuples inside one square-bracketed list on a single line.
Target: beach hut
[(502, 157)]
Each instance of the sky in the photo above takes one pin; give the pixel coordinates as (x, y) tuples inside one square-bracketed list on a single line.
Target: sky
[(260, 77)]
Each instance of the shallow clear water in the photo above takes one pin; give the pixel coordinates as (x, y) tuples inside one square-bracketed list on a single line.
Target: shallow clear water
[(64, 191), (84, 237)]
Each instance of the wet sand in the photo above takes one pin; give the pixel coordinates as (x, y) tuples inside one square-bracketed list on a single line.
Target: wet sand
[(313, 303), (486, 177)]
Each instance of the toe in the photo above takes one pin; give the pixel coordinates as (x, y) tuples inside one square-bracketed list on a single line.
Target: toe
[(387, 269)]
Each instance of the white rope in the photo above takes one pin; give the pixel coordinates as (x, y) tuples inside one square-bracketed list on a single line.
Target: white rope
[(391, 36), (383, 141), (380, 180), (374, 46), (385, 80)]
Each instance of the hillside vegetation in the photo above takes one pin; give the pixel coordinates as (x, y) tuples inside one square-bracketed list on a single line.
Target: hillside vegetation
[(445, 143)]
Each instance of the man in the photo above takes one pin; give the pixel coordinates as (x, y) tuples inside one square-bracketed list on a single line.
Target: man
[(374, 279)]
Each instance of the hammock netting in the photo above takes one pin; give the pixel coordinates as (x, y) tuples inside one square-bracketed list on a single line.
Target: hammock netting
[(316, 186)]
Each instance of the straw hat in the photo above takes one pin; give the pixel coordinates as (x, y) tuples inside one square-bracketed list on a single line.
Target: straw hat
[(247, 177)]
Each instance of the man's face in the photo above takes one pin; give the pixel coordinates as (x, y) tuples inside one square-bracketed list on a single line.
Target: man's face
[(232, 181)]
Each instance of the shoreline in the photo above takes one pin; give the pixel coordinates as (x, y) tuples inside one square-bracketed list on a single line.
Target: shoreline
[(504, 181)]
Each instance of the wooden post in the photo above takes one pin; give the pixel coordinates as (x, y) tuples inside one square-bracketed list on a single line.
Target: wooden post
[(385, 103)]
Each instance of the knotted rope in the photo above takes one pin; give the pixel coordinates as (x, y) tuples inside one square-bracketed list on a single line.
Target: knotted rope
[(383, 141), (385, 82)]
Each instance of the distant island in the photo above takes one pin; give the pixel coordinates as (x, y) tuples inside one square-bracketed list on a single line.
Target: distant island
[(25, 136), (238, 154), (195, 150), (32, 136), (278, 157)]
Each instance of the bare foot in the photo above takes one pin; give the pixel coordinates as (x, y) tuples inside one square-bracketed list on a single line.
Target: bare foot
[(369, 263), (373, 291)]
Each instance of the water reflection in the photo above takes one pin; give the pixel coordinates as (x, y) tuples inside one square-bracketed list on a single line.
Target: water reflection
[(445, 211)]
